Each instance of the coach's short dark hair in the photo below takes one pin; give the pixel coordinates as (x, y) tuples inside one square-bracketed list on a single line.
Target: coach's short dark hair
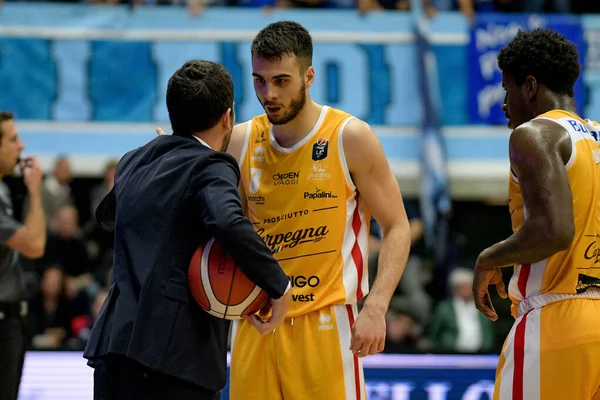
[(544, 54), (198, 94), (5, 116), (284, 38)]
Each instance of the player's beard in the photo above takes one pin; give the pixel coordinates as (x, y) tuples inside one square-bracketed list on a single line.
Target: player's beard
[(292, 111)]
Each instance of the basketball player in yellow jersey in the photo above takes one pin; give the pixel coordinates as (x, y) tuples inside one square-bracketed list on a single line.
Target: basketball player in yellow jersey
[(553, 349), (310, 176)]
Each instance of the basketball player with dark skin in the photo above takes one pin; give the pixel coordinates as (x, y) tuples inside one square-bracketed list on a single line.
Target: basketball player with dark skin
[(538, 152)]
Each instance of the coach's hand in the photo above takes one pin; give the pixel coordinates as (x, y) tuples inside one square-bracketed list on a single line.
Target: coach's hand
[(368, 332), (278, 308)]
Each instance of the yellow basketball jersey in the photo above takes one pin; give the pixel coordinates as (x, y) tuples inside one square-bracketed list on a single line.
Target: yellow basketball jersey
[(577, 268), (304, 205)]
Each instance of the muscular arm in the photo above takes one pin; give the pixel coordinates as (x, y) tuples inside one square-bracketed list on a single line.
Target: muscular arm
[(538, 152), (379, 188)]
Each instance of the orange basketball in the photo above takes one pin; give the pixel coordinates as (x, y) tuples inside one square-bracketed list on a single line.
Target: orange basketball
[(220, 287)]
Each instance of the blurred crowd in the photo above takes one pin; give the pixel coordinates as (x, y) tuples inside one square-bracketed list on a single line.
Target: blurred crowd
[(69, 283), (431, 7)]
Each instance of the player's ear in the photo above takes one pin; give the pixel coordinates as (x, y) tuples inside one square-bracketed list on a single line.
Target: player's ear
[(309, 77), (227, 118), (531, 86)]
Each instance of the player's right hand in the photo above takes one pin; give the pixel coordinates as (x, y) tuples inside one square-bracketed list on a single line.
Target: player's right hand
[(481, 282), (278, 308), (32, 174)]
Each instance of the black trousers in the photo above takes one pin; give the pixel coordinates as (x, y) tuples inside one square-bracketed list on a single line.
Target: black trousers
[(120, 378), (13, 343)]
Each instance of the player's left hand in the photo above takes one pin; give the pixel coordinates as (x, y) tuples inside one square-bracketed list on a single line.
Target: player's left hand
[(481, 282), (368, 332)]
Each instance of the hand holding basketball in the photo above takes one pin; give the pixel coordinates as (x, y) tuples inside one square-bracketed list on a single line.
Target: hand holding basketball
[(278, 308)]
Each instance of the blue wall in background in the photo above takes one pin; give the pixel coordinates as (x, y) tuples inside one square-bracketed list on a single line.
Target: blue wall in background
[(125, 81)]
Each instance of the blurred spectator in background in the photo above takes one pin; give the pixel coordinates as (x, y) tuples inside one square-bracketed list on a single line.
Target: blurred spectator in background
[(50, 310), (411, 288), (81, 326), (56, 190), (415, 277), (102, 189), (65, 246), (67, 249), (403, 332), (54, 308), (470, 7), (456, 325), (99, 242)]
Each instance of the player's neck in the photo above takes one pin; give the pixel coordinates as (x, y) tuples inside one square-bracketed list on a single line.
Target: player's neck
[(565, 103), (289, 134)]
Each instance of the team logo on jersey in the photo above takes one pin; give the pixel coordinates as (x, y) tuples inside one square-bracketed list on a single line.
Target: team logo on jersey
[(305, 283), (319, 194), (259, 154), (325, 322), (261, 139), (255, 175), (318, 173), (277, 242), (320, 149), (286, 178), (584, 282), (256, 199)]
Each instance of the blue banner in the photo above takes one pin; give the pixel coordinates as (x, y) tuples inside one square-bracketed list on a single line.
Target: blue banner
[(109, 64), (488, 35)]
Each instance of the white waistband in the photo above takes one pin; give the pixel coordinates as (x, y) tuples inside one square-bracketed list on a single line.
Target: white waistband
[(542, 300)]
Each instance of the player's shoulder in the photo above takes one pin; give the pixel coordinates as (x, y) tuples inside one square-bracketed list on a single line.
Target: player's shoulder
[(357, 131), (545, 135), (360, 142), (238, 139)]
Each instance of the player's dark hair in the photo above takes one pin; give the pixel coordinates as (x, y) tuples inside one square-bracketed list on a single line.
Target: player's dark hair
[(544, 54), (284, 38), (5, 116), (198, 94)]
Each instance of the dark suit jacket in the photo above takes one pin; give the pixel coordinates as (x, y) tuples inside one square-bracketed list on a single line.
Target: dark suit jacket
[(169, 196)]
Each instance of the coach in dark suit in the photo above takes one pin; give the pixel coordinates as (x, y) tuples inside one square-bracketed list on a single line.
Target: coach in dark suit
[(151, 339)]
